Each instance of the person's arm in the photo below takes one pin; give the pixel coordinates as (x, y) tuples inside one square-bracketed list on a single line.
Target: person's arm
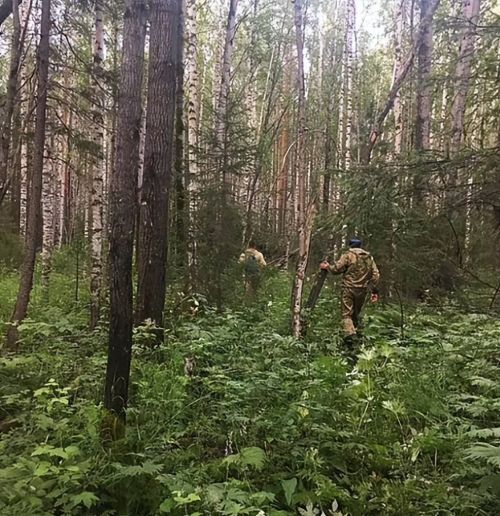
[(375, 276), (338, 267), (260, 260), (341, 265), (375, 281), (242, 258)]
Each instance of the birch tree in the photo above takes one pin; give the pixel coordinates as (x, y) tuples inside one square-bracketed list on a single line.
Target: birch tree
[(305, 214), (400, 78), (48, 219), (193, 115), (98, 99), (223, 91), (348, 84)]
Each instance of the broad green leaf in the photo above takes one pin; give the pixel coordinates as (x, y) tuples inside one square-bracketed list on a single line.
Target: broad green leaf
[(289, 487)]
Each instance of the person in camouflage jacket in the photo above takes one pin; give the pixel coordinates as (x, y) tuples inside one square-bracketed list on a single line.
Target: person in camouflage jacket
[(254, 264), (359, 274)]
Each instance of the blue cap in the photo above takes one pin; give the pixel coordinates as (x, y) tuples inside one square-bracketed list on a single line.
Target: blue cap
[(355, 242)]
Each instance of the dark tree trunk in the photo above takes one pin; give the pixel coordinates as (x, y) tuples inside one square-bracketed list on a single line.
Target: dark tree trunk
[(5, 10), (34, 212), (122, 197), (164, 16), (10, 103)]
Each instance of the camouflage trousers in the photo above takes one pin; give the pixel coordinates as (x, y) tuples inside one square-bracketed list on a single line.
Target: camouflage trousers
[(252, 284), (352, 301)]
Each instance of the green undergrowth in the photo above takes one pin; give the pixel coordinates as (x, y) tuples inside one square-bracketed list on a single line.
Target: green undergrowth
[(265, 424)]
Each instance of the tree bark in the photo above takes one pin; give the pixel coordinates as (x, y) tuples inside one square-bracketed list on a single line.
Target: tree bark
[(424, 101), (11, 100), (33, 219), (398, 60), (164, 19), (123, 188), (48, 220), (305, 217), (98, 99), (193, 114), (179, 162), (223, 93), (470, 13), (349, 73)]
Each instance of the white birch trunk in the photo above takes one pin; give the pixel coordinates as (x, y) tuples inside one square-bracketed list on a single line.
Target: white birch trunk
[(193, 117), (225, 83), (98, 168), (305, 216), (349, 74), (48, 219)]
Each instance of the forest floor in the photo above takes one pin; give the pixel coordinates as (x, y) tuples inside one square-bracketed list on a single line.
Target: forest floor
[(266, 425)]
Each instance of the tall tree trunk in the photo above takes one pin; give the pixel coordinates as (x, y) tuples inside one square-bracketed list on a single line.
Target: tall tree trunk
[(470, 13), (398, 61), (98, 99), (348, 85), (33, 220), (305, 216), (10, 101), (193, 114), (123, 196), (48, 220), (223, 93), (180, 189), (424, 101), (158, 154), (400, 78)]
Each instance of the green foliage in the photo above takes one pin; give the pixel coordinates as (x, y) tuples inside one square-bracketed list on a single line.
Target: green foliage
[(11, 249), (265, 424)]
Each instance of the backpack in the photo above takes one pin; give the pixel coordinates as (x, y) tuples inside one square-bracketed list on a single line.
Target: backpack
[(251, 266)]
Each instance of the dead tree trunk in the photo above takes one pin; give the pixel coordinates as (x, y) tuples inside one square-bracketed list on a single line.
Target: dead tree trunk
[(33, 220), (123, 187), (158, 154)]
